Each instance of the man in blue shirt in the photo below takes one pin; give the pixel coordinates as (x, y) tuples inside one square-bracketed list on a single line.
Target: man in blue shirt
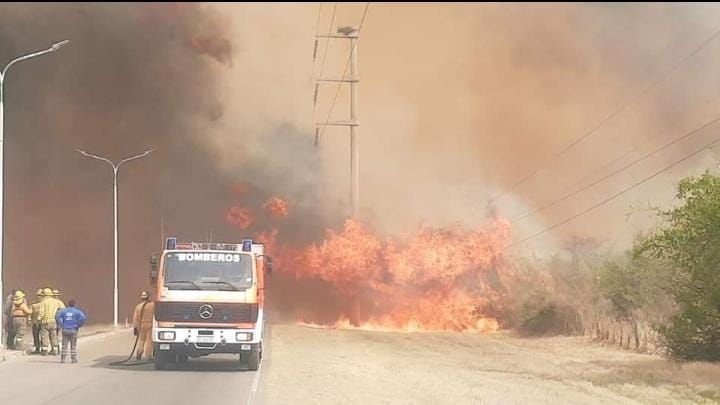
[(69, 319)]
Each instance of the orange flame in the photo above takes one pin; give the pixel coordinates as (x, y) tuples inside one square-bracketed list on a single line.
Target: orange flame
[(240, 217), (276, 207), (429, 281)]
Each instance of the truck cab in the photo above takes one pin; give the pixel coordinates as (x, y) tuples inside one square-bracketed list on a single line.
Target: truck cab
[(209, 299)]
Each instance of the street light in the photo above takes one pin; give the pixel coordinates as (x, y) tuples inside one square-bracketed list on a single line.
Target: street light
[(54, 47), (115, 167)]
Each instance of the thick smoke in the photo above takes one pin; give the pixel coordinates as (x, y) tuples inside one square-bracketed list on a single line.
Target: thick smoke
[(133, 76), (464, 100), (459, 101)]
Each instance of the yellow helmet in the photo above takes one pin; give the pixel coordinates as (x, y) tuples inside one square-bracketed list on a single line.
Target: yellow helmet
[(39, 292), (56, 293), (47, 292), (18, 297)]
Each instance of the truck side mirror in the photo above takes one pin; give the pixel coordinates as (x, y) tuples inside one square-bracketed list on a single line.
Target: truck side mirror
[(268, 265), (153, 270)]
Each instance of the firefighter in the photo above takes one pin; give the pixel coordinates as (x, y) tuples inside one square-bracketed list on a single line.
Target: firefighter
[(7, 319), (142, 325), (48, 327), (70, 319), (19, 313), (35, 321), (56, 297)]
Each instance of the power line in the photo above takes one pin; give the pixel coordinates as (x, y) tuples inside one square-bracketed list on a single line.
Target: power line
[(618, 194), (607, 118), (614, 172), (347, 64), (332, 21), (605, 165), (322, 64)]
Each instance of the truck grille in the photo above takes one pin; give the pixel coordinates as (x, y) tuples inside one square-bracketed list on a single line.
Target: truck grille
[(221, 312)]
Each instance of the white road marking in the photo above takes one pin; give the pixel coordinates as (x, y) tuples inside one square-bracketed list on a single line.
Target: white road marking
[(254, 388), (256, 380)]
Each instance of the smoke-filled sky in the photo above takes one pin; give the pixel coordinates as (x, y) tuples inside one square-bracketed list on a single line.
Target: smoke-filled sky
[(456, 102)]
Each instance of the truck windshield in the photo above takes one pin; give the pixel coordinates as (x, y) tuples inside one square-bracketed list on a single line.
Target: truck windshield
[(208, 271)]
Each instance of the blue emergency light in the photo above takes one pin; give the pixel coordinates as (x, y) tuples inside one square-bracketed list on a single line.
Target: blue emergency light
[(171, 243), (247, 245)]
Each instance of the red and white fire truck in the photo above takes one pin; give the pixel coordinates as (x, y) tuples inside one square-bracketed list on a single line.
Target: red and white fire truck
[(209, 299)]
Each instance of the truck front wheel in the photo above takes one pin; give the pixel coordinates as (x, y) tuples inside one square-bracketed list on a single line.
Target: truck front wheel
[(251, 359), (161, 360)]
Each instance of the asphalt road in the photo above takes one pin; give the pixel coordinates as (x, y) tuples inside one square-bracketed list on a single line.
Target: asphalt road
[(44, 380)]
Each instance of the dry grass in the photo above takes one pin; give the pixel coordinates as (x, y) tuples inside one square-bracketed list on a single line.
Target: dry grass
[(342, 366)]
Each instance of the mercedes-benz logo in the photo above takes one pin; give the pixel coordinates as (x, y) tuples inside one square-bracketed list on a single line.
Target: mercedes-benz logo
[(206, 311)]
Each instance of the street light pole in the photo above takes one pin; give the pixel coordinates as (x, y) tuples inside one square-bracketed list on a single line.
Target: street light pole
[(116, 168), (54, 47)]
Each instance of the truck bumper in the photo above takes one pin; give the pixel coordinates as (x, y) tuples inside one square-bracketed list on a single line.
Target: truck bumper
[(206, 335), (196, 341), (203, 349)]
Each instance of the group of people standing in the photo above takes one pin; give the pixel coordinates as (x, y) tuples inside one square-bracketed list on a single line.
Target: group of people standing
[(48, 316)]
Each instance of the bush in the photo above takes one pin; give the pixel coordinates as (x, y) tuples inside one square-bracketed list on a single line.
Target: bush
[(542, 316), (691, 242), (694, 334)]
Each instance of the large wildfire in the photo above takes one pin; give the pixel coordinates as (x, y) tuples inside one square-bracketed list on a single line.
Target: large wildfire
[(429, 280), (222, 95)]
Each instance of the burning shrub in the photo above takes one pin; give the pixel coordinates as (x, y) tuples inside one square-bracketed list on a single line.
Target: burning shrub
[(276, 207), (435, 279)]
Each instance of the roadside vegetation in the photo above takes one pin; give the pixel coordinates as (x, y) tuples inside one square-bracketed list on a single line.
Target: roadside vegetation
[(661, 296)]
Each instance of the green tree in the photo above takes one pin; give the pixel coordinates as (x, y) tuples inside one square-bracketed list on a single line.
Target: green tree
[(620, 284), (690, 240)]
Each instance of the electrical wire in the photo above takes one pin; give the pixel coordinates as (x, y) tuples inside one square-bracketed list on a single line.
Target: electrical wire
[(619, 193), (347, 64), (606, 119)]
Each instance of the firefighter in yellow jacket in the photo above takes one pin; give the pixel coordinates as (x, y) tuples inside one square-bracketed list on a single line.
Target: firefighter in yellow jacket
[(35, 320), (56, 297), (49, 306), (142, 325), (19, 312)]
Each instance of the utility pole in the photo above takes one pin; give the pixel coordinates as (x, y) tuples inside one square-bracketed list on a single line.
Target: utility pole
[(350, 33), (162, 229)]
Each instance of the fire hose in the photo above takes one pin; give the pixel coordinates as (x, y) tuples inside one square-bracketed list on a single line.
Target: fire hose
[(126, 362)]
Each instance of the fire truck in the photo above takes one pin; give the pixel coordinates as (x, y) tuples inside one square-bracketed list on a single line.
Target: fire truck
[(208, 300)]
